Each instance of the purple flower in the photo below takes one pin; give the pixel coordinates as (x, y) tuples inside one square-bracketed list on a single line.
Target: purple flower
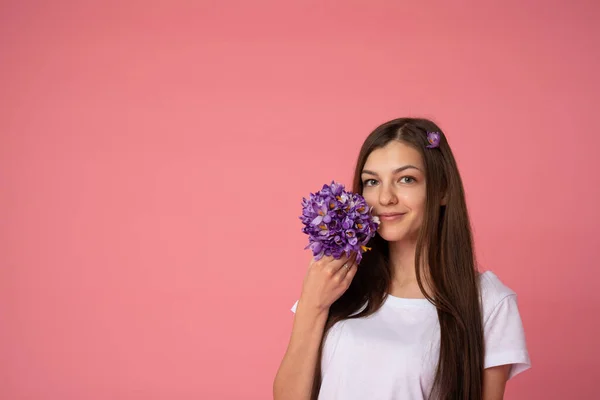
[(434, 139), (337, 222)]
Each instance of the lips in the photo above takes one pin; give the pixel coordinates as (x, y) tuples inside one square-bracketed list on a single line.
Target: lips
[(390, 216)]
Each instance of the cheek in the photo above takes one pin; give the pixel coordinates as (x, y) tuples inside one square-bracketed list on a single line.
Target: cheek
[(415, 199), (370, 197)]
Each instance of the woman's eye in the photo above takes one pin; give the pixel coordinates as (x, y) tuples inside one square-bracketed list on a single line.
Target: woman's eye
[(369, 182), (405, 178)]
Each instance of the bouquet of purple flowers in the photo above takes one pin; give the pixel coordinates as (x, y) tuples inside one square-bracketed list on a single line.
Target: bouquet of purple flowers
[(337, 222)]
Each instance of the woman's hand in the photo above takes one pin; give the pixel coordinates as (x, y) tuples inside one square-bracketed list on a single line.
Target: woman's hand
[(326, 281)]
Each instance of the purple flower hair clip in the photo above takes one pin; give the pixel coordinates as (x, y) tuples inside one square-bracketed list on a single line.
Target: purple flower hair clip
[(434, 139)]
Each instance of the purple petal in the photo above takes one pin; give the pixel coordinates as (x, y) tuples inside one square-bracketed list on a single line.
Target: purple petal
[(434, 139)]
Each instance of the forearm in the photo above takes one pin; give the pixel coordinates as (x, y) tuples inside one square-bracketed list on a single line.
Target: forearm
[(295, 376), (494, 382)]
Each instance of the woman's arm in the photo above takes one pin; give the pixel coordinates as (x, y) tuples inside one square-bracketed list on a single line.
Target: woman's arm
[(494, 382), (294, 379), (326, 280)]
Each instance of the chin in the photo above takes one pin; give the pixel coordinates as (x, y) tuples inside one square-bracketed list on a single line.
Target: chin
[(390, 234)]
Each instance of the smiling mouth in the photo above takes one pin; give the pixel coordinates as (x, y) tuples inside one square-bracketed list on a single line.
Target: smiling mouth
[(390, 217)]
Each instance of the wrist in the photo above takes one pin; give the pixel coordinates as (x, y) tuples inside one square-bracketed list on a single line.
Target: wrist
[(311, 309)]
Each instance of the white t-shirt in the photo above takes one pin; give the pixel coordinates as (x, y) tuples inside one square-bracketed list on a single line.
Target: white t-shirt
[(392, 354)]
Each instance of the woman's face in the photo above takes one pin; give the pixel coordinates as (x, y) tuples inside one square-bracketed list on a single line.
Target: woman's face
[(394, 185)]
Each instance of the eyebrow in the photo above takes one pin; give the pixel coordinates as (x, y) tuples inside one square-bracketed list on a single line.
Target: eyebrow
[(366, 171)]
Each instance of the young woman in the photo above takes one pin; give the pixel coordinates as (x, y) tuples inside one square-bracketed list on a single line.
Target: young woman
[(416, 319)]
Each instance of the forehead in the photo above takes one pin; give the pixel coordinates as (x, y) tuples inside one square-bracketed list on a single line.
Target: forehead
[(393, 155)]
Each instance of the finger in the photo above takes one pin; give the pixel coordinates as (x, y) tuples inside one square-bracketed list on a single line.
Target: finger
[(348, 264), (334, 265), (324, 260), (353, 256), (351, 273), (343, 271)]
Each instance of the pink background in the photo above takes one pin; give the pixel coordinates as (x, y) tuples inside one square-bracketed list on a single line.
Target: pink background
[(153, 156)]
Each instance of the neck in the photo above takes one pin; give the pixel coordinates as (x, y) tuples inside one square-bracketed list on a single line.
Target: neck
[(402, 259), (404, 275)]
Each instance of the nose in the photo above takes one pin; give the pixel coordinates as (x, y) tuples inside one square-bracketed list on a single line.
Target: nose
[(387, 196)]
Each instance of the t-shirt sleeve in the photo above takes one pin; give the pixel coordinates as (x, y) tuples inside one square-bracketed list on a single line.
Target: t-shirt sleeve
[(294, 307), (505, 337)]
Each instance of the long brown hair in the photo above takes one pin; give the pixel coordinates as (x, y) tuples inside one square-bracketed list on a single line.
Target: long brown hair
[(445, 245)]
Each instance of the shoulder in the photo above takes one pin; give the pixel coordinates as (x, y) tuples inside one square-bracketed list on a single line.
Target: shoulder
[(504, 334), (493, 292)]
